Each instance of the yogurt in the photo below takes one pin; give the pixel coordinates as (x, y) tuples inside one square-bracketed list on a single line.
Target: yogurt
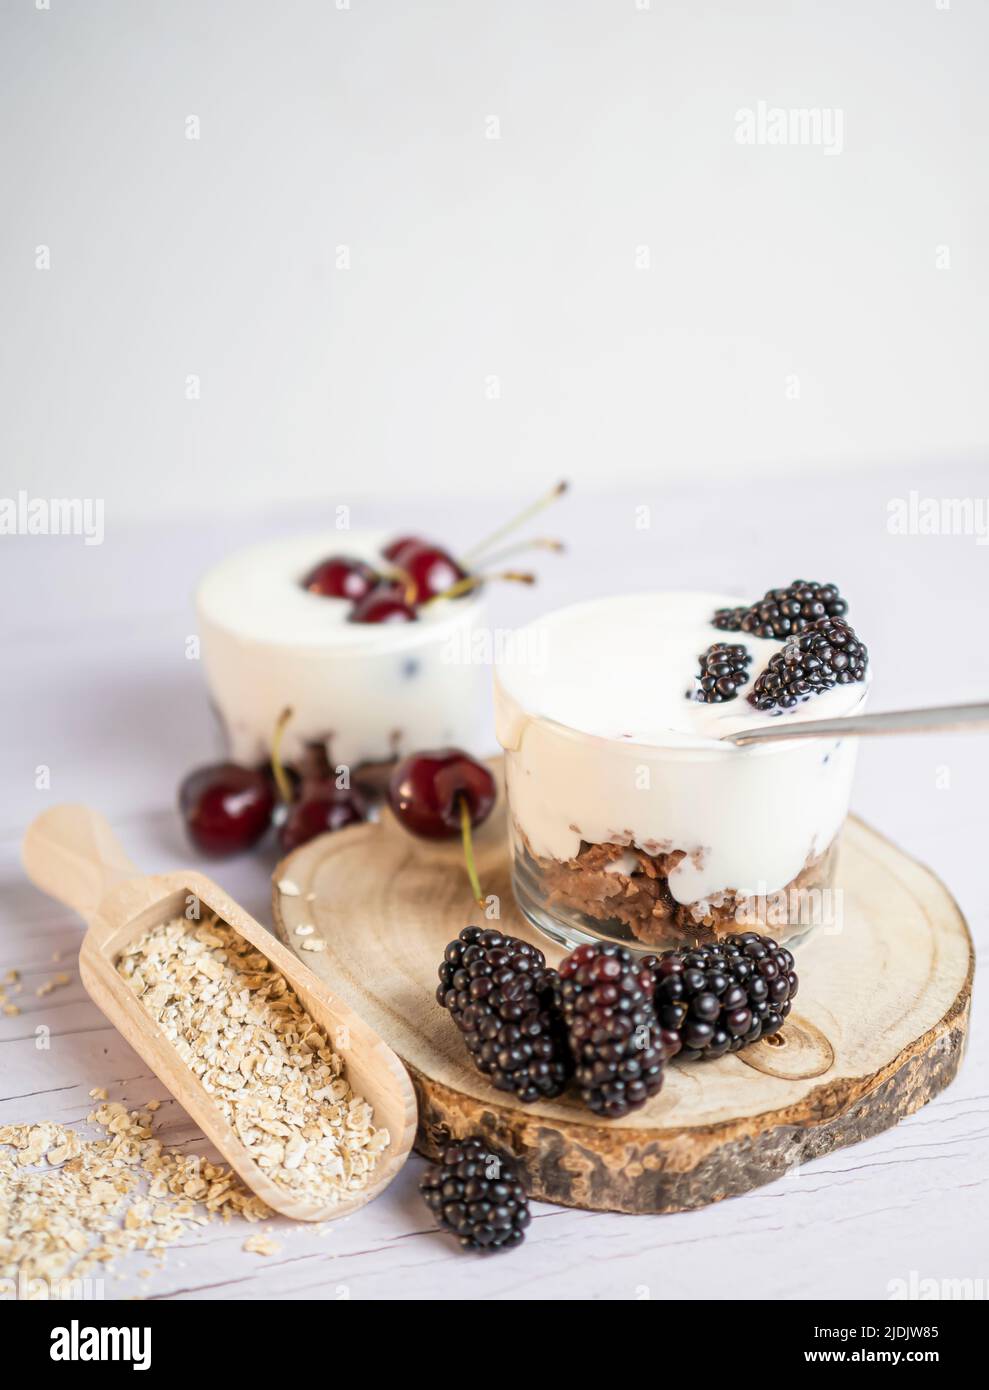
[(605, 744), (367, 691)]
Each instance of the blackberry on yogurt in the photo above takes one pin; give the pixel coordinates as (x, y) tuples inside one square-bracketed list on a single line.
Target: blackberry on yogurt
[(781, 613), (829, 653), (723, 671)]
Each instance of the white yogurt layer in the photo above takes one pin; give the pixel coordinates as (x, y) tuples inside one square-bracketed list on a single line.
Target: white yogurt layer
[(604, 746), (368, 690)]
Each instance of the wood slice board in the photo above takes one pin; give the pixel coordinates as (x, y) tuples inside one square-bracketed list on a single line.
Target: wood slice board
[(878, 1027)]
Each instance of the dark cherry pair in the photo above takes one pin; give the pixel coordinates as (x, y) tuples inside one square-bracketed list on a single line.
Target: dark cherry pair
[(422, 571), (228, 808)]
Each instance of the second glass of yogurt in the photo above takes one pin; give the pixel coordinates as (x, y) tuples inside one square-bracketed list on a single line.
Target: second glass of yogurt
[(369, 692), (630, 819)]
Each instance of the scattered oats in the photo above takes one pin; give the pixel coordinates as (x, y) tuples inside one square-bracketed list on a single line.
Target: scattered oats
[(261, 1245), (144, 1273), (99, 1093), (315, 943), (304, 929), (262, 1060), (12, 977), (11, 1010), (288, 888), (70, 1206), (153, 1105), (55, 983)]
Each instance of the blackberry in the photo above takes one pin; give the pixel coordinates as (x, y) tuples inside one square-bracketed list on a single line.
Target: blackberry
[(720, 998), (499, 991), (722, 672), (475, 1193), (781, 613), (829, 653), (605, 997)]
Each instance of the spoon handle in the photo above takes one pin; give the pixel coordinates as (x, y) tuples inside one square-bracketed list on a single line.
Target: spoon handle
[(901, 721)]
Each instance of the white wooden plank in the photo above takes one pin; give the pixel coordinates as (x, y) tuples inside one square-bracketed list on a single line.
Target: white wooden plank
[(99, 690)]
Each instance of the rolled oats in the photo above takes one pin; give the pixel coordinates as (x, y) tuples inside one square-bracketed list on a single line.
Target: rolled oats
[(70, 1205), (261, 1245), (260, 1057), (57, 982)]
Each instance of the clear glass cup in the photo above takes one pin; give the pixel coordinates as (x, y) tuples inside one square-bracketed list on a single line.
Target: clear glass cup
[(660, 846)]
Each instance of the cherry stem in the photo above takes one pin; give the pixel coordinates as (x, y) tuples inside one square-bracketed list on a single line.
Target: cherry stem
[(523, 516), (277, 766), (468, 839), (540, 543), (407, 582), (473, 581)]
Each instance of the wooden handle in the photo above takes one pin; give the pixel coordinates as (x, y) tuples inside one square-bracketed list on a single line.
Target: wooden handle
[(71, 853)]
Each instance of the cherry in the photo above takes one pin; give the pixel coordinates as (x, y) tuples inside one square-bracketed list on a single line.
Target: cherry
[(324, 807), (341, 577), (439, 793), (431, 570), (426, 792), (386, 603), (394, 548), (226, 808), (312, 803)]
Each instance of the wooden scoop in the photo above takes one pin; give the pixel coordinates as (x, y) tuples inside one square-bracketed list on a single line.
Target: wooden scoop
[(71, 853)]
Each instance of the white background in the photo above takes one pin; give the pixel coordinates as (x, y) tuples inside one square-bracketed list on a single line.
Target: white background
[(664, 389), (473, 258)]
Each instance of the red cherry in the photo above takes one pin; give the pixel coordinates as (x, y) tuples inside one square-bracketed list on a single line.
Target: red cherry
[(226, 808), (431, 570), (384, 604), (341, 577), (394, 548), (324, 807), (425, 792)]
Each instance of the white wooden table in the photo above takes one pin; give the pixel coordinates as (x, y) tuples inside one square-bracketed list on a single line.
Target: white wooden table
[(97, 688)]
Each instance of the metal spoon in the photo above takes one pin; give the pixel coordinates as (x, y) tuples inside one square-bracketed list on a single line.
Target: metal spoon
[(901, 721)]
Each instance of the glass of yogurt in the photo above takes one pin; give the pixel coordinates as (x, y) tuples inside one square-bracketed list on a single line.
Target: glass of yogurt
[(367, 691), (630, 819)]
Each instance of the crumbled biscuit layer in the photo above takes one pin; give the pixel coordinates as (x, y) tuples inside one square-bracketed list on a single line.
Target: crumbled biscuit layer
[(593, 884)]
